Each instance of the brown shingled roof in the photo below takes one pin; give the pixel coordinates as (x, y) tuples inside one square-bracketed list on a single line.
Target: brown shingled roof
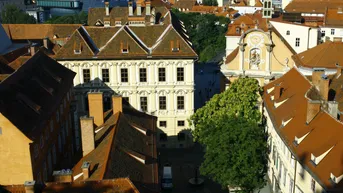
[(312, 6), (324, 131), (325, 55), (334, 17)]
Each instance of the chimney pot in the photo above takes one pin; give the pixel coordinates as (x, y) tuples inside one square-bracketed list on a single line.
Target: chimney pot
[(96, 107), (139, 9), (85, 169), (29, 186), (87, 134), (130, 8), (107, 8), (147, 7), (117, 104)]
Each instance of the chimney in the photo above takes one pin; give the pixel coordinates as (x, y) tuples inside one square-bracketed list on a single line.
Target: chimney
[(63, 175), (339, 70), (117, 104), (313, 108), (139, 8), (87, 134), (324, 87), (147, 7), (316, 76), (85, 169), (33, 50), (277, 91), (46, 43), (29, 186), (130, 8), (333, 108), (107, 8), (96, 107)]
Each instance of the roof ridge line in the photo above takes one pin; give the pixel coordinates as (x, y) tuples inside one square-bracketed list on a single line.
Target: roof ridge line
[(135, 41), (159, 40), (131, 33), (83, 41), (103, 47), (185, 41)]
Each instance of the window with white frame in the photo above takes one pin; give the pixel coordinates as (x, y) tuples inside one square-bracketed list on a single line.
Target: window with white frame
[(297, 42), (161, 74), (332, 31), (142, 75), (86, 75), (180, 74), (124, 75), (144, 104), (105, 75), (163, 102), (180, 102)]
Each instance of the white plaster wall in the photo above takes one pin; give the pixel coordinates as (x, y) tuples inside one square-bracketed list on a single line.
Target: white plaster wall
[(152, 89), (245, 9), (231, 44), (302, 179), (338, 32), (308, 36)]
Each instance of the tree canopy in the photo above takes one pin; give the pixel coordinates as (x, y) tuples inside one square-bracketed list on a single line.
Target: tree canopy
[(210, 2), (206, 31), (12, 14), (80, 18), (229, 127)]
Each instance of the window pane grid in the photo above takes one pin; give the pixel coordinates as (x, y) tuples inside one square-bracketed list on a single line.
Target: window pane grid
[(180, 74), (124, 75), (144, 104), (161, 74), (142, 74), (180, 102), (163, 103), (105, 75), (86, 75)]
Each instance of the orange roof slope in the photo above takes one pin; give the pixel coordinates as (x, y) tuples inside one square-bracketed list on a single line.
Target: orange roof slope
[(246, 22), (323, 132), (334, 17), (325, 55), (312, 6)]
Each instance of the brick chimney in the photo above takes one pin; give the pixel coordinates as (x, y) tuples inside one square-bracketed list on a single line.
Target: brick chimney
[(130, 8), (117, 104), (139, 8), (324, 87), (107, 8), (87, 134), (96, 107), (63, 176), (147, 8), (85, 169), (313, 108), (29, 186), (316, 76)]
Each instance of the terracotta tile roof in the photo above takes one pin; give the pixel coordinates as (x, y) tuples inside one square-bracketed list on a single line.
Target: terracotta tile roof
[(246, 22), (117, 145), (312, 6), (183, 4), (289, 120), (334, 17), (325, 55), (33, 92), (118, 185), (139, 41)]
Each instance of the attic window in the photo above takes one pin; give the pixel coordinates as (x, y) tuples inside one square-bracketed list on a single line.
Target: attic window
[(99, 23), (334, 179), (77, 48), (297, 140), (117, 23), (175, 47), (316, 160), (124, 47)]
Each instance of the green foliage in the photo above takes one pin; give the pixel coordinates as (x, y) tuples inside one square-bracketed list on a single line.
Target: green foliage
[(12, 14), (80, 18), (206, 31), (229, 127), (210, 2)]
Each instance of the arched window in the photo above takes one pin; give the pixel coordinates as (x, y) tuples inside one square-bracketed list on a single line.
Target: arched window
[(265, 4), (269, 4), (255, 58)]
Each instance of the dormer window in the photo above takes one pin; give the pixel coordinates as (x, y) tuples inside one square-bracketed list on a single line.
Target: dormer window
[(107, 24), (99, 23), (238, 30), (118, 23), (175, 46), (77, 48), (334, 179), (124, 47)]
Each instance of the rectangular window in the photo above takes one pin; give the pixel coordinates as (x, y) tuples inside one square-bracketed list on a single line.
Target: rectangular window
[(86, 75), (124, 75), (144, 104), (297, 42), (163, 123), (163, 102), (180, 123), (105, 75), (127, 99), (332, 31), (180, 74), (180, 102), (161, 74), (142, 75), (288, 32), (290, 184)]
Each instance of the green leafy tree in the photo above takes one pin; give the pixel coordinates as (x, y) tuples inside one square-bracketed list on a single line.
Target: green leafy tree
[(206, 31), (12, 14), (229, 127), (210, 2), (80, 18)]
